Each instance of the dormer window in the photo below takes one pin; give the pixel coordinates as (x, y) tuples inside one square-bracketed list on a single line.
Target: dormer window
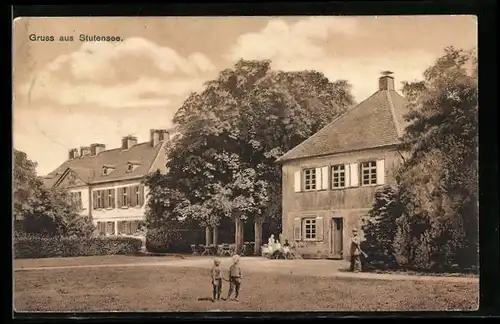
[(132, 165), (107, 169)]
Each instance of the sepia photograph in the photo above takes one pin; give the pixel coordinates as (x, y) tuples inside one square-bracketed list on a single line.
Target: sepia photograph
[(239, 163)]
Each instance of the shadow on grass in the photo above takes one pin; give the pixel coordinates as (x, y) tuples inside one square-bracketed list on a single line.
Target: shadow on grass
[(205, 299)]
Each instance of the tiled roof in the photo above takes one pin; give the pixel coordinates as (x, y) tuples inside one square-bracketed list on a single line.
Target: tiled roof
[(377, 121), (89, 168)]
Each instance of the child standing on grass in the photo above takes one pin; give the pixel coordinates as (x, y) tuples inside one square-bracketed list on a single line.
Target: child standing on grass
[(216, 280), (235, 277)]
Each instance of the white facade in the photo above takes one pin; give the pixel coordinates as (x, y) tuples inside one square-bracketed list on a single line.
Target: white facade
[(120, 218)]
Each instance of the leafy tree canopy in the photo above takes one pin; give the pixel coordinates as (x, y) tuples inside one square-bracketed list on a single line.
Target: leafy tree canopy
[(221, 162)]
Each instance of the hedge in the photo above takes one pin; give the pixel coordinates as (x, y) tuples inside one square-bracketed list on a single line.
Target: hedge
[(51, 247)]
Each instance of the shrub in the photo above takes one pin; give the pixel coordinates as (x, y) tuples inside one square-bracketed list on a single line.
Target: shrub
[(172, 240), (380, 229), (49, 247)]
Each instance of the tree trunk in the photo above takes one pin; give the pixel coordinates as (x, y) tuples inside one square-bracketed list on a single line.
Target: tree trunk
[(215, 235), (237, 234), (258, 236), (208, 236)]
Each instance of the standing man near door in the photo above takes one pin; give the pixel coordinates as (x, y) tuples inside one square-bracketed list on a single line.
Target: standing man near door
[(355, 252)]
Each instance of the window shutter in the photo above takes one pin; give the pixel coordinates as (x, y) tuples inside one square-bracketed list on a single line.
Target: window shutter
[(120, 197), (380, 172), (141, 195), (297, 229), (94, 199), (319, 229), (354, 174), (106, 198), (297, 181), (347, 175), (324, 178), (113, 196), (129, 193), (133, 198), (134, 227), (319, 182)]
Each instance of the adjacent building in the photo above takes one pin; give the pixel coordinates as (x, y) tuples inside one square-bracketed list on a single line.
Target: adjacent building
[(107, 184), (329, 180)]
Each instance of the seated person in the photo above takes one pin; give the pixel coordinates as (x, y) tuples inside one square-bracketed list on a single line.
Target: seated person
[(277, 246), (286, 244)]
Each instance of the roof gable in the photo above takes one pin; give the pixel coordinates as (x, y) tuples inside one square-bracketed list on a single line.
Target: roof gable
[(70, 178), (377, 121), (89, 168)]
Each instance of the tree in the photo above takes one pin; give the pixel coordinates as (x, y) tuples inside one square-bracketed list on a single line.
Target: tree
[(380, 228), (438, 181), (39, 210), (222, 161)]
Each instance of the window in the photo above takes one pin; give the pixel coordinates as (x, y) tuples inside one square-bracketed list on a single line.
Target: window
[(101, 227), (137, 191), (100, 202), (110, 228), (338, 176), (125, 201), (310, 228), (111, 198), (310, 179), (369, 173), (76, 198)]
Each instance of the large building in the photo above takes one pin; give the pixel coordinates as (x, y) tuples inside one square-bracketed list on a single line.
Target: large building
[(107, 184), (329, 180)]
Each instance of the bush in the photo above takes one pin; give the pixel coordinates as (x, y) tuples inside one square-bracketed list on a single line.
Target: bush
[(50, 247), (163, 240), (380, 229)]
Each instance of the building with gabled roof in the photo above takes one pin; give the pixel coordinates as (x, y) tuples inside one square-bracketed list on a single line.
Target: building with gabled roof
[(107, 184), (329, 180)]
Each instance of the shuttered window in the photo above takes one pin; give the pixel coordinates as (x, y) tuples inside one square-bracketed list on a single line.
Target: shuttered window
[(110, 198), (369, 173), (309, 179), (101, 227), (125, 197), (338, 176), (110, 228), (309, 228)]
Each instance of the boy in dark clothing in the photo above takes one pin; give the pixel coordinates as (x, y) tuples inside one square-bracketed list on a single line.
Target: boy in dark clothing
[(216, 280), (235, 276)]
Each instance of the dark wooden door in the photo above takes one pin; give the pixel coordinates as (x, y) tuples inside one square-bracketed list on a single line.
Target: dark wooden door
[(337, 237)]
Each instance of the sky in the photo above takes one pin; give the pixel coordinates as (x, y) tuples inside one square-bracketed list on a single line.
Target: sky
[(69, 94)]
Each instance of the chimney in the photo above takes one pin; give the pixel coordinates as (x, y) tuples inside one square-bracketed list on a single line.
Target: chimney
[(158, 135), (97, 148), (386, 81), (128, 142), (84, 151), (73, 154)]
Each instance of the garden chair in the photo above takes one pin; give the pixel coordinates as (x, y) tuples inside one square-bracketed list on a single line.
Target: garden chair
[(194, 250), (226, 250)]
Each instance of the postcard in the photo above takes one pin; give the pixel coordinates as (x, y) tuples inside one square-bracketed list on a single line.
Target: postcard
[(193, 164)]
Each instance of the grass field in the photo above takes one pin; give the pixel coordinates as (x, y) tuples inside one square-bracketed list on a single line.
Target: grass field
[(160, 288)]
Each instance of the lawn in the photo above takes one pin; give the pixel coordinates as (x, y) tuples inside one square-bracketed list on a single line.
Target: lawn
[(162, 288)]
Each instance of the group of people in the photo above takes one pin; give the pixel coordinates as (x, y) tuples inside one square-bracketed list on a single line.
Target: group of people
[(275, 248), (235, 277)]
